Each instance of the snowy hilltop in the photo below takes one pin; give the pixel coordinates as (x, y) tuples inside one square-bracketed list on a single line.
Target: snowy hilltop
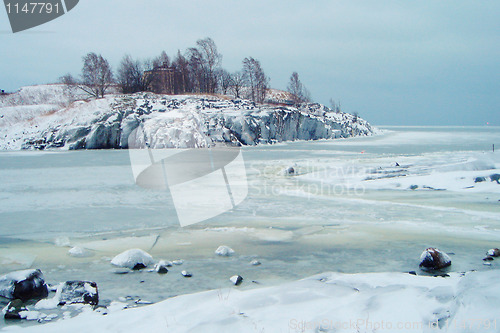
[(47, 116)]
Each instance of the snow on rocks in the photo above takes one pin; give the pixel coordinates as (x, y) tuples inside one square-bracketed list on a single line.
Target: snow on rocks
[(24, 285), (186, 274), (178, 262), (224, 251), (255, 262), (290, 171), (78, 292), (236, 280), (161, 267), (12, 309), (133, 259), (170, 122), (493, 253), (79, 252), (71, 292), (432, 259)]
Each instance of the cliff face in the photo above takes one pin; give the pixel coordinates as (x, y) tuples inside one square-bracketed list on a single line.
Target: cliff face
[(171, 122)]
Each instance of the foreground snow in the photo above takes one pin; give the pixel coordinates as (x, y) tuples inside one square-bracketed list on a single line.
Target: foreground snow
[(329, 302)]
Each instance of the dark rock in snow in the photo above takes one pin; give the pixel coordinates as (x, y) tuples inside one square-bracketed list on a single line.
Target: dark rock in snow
[(23, 285), (236, 280), (413, 187), (139, 266), (13, 309), (186, 274), (432, 259), (412, 273), (488, 258), (289, 171), (84, 292), (495, 178), (161, 267), (479, 179)]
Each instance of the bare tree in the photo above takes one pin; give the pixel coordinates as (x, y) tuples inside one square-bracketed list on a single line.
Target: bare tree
[(335, 106), (130, 75), (96, 75), (182, 82), (205, 60), (70, 86), (255, 79), (237, 83), (299, 93), (162, 59), (225, 80)]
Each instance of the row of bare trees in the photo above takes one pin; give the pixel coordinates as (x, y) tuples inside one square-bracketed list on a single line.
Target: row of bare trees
[(198, 70)]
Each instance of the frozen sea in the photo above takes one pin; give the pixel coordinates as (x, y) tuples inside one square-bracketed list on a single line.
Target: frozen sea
[(369, 204)]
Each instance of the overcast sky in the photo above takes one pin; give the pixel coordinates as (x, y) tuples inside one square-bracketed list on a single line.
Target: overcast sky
[(394, 62)]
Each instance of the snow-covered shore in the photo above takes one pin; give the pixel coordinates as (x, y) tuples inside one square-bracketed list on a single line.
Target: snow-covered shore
[(42, 117), (328, 302)]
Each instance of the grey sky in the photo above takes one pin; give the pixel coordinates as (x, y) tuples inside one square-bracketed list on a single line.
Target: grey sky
[(394, 62)]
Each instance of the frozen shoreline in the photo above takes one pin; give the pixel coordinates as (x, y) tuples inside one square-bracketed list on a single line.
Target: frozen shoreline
[(88, 199), (328, 302)]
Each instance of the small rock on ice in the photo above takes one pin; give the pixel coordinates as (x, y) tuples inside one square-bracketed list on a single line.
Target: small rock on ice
[(186, 274), (79, 252), (178, 262), (224, 251), (479, 179), (236, 280), (493, 253), (255, 262), (289, 171), (13, 308), (161, 267), (133, 259)]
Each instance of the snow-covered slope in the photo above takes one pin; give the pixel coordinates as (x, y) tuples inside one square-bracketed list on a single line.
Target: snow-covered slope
[(329, 302), (38, 121)]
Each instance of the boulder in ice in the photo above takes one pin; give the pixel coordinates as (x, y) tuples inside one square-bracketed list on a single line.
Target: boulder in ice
[(433, 258), (24, 285), (224, 251), (133, 259), (73, 292)]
